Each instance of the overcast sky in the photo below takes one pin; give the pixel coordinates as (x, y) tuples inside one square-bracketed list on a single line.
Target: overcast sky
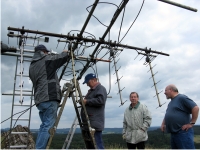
[(159, 26)]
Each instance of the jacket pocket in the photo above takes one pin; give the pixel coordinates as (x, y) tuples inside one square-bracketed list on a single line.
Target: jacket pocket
[(140, 136), (128, 136)]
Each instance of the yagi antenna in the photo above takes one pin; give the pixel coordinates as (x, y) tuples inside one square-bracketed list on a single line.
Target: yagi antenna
[(113, 55), (148, 60)]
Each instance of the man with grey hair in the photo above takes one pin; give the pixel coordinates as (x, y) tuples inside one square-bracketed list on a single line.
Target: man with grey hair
[(178, 121), (137, 120)]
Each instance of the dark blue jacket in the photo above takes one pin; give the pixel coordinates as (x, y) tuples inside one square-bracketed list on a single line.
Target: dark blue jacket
[(95, 106)]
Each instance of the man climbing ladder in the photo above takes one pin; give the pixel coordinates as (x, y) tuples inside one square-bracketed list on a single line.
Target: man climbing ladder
[(47, 93)]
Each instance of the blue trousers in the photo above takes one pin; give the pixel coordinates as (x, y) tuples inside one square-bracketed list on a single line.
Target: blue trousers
[(98, 140), (48, 115), (183, 139)]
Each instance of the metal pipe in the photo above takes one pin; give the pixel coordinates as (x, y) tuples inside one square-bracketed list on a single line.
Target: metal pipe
[(89, 16), (80, 35), (104, 35), (92, 59), (76, 58), (179, 5), (113, 44), (16, 54)]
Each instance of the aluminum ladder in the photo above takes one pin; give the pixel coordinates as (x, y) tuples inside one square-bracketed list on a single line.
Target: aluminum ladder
[(19, 74)]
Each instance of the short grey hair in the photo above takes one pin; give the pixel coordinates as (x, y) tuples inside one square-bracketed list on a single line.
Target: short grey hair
[(134, 93)]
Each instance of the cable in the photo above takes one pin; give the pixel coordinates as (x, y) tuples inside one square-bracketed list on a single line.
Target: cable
[(80, 62), (17, 113), (12, 127), (101, 57), (93, 69), (121, 23), (83, 32), (133, 21), (15, 121), (100, 3)]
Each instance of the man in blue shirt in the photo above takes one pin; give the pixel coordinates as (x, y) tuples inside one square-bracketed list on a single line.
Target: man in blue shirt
[(178, 121)]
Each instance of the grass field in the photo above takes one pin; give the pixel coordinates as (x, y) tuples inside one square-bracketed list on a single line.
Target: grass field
[(197, 139)]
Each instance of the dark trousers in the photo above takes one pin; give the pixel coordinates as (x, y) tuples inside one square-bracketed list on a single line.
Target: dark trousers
[(140, 145), (97, 137)]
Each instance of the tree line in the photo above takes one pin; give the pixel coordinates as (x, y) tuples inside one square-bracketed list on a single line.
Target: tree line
[(156, 140)]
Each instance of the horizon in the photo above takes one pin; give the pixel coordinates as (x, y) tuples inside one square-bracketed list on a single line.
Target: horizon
[(104, 128)]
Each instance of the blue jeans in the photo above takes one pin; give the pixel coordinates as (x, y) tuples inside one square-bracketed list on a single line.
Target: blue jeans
[(183, 139), (48, 115), (98, 139)]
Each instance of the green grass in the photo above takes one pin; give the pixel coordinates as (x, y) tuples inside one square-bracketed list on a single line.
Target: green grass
[(2, 144), (197, 139)]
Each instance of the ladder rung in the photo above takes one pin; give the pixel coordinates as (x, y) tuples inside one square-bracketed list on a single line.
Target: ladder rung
[(18, 146), (19, 132), (22, 105), (24, 90), (26, 60), (18, 94), (79, 106), (31, 45), (22, 119), (24, 75)]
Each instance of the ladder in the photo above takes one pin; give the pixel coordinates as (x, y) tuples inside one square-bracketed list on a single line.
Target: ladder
[(88, 138), (74, 87), (22, 93), (69, 87), (70, 135)]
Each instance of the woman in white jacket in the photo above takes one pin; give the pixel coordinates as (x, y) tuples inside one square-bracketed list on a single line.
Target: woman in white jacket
[(137, 119)]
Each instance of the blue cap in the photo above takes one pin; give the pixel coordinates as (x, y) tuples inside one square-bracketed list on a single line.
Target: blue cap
[(88, 77), (41, 48)]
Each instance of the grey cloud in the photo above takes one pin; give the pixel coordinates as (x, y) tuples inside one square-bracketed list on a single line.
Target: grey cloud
[(159, 26)]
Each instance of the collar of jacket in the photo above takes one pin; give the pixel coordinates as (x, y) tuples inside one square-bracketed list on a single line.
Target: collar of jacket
[(38, 55), (92, 88), (95, 86), (136, 106)]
